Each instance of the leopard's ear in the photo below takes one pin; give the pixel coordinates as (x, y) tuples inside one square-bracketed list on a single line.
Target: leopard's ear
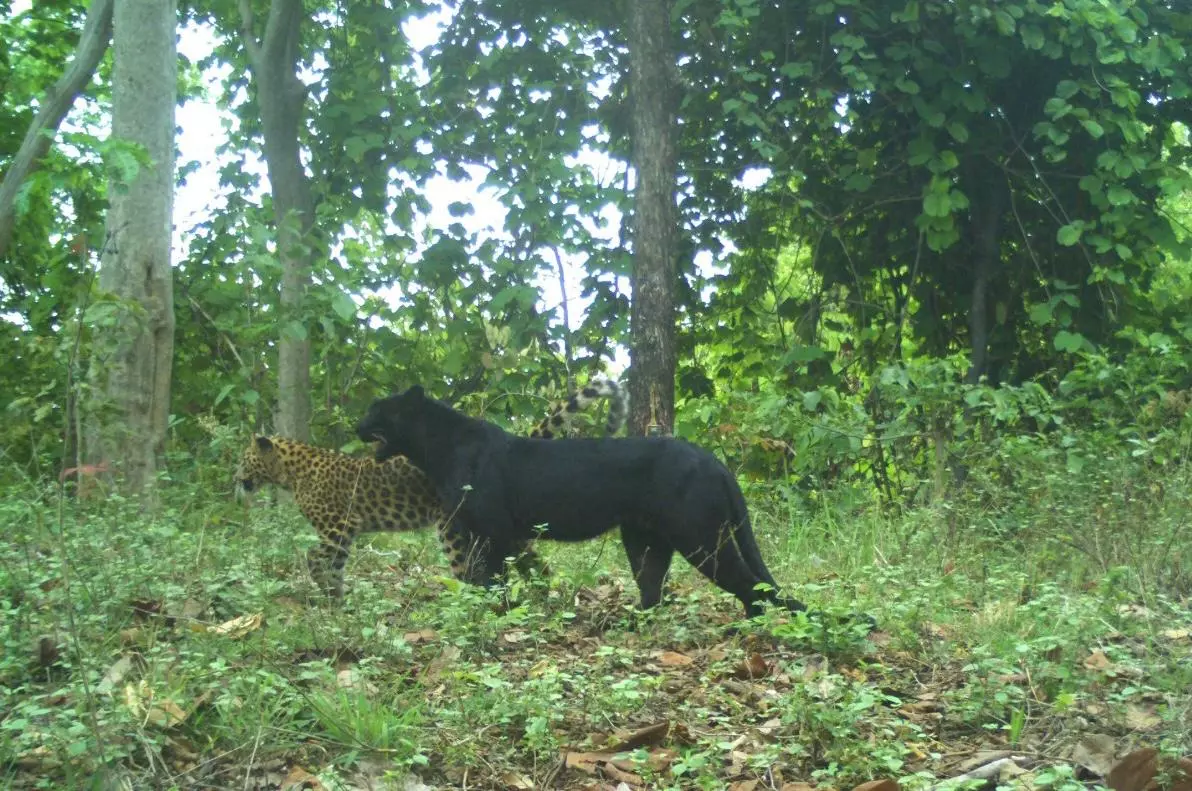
[(264, 444)]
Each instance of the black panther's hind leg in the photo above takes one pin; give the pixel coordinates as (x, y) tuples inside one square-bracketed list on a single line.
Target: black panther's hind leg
[(649, 559), (716, 555)]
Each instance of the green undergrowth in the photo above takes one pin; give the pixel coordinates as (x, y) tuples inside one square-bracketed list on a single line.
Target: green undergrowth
[(182, 650)]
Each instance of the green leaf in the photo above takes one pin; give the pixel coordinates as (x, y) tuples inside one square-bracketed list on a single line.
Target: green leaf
[(223, 393), (98, 312), (811, 400), (805, 354), (1093, 128), (1005, 22), (1066, 341), (858, 182), (1066, 89), (1120, 196), (958, 131), (1069, 234), (920, 151), (1075, 462), (295, 329), (937, 204), (1041, 314), (1056, 107), (343, 305), (1032, 37)]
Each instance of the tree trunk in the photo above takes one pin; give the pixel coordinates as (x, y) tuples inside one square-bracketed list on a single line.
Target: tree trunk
[(130, 366), (93, 42), (652, 320), (987, 205), (281, 97)]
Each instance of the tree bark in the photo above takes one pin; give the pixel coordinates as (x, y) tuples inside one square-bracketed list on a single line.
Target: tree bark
[(97, 32), (987, 206), (652, 320), (281, 97), (130, 366)]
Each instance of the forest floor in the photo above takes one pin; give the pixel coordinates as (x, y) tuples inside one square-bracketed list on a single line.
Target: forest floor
[(180, 652)]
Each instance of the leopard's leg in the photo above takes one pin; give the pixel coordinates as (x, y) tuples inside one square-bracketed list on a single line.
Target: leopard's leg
[(527, 561), (455, 547), (480, 560), (326, 561)]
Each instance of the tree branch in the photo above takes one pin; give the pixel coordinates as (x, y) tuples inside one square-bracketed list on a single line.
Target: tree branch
[(97, 32), (250, 38)]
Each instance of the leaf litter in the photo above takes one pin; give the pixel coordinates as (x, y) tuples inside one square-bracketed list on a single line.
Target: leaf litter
[(728, 699)]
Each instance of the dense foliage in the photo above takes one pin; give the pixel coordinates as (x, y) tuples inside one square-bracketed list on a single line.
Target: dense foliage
[(884, 205)]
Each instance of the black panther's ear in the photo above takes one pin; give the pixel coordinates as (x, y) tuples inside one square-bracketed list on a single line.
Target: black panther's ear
[(415, 393), (264, 443)]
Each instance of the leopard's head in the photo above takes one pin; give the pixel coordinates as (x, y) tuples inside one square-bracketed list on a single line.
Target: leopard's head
[(260, 463)]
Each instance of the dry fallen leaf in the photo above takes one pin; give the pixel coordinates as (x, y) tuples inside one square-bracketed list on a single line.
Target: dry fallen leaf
[(674, 659), (299, 780), (141, 701), (1134, 772), (1095, 752), (755, 666), (743, 785), (1182, 775), (237, 627), (879, 785), (1097, 661), (600, 765), (115, 674), (351, 679), (1142, 717), (421, 636), (515, 636), (1177, 635), (516, 780), (1137, 610), (797, 787), (651, 734), (446, 658)]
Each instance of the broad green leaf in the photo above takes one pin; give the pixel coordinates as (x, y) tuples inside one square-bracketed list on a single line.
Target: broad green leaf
[(1005, 22), (1041, 314), (343, 305), (1120, 196), (937, 204), (1066, 89), (1066, 341), (295, 329), (1068, 235)]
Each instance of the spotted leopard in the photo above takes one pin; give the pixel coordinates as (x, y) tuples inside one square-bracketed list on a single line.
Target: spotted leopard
[(344, 496)]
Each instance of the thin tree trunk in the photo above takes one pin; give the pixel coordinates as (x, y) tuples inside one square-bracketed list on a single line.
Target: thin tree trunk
[(97, 32), (987, 214), (130, 366), (282, 97), (652, 320)]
